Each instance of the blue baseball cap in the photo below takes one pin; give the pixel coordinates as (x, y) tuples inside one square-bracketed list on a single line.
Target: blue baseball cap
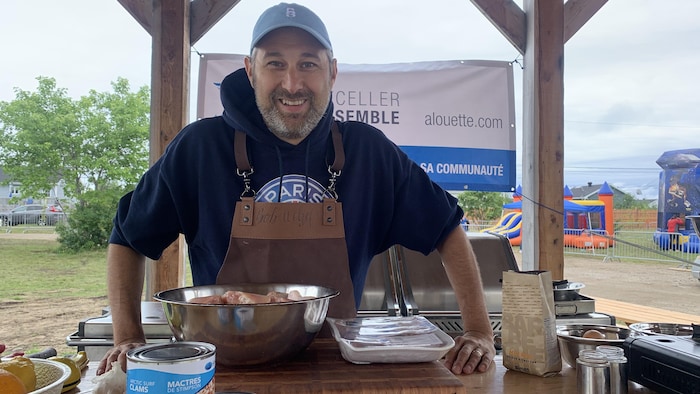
[(290, 15)]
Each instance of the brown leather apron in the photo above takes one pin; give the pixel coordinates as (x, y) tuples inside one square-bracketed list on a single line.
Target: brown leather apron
[(301, 243)]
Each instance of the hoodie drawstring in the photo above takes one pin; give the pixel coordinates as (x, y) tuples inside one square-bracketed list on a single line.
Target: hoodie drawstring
[(281, 169), (306, 172)]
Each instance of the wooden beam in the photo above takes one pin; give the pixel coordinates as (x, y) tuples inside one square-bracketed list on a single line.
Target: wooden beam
[(141, 10), (543, 138), (508, 18), (577, 13), (206, 13), (170, 75), (203, 13)]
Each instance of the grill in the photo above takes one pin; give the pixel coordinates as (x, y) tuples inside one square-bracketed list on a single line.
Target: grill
[(94, 335), (403, 282)]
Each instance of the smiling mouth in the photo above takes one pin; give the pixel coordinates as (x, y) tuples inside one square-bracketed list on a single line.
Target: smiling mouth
[(289, 102)]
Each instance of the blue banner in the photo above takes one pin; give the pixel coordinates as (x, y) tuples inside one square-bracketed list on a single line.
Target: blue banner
[(465, 169)]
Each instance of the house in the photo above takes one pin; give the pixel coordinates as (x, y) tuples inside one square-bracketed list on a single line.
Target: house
[(590, 192), (9, 189)]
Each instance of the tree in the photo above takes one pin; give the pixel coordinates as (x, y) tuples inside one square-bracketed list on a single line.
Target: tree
[(97, 145), (629, 202), (482, 205), (92, 143)]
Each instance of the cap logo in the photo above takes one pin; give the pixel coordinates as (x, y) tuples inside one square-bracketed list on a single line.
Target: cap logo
[(291, 13)]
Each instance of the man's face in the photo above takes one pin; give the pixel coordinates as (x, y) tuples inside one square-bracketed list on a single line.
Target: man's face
[(292, 75)]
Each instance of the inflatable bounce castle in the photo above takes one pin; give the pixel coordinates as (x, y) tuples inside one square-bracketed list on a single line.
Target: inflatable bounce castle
[(679, 194), (586, 222)]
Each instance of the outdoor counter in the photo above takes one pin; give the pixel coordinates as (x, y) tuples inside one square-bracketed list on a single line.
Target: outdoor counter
[(321, 368)]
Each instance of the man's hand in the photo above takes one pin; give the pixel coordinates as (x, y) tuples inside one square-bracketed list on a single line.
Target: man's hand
[(125, 276), (117, 353), (472, 352)]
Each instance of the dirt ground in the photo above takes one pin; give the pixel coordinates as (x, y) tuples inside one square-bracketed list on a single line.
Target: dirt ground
[(44, 323), (665, 286)]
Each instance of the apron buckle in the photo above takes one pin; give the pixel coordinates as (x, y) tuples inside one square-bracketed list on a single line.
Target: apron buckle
[(247, 189), (332, 181)]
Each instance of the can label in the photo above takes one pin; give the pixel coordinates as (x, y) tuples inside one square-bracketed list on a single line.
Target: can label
[(179, 367)]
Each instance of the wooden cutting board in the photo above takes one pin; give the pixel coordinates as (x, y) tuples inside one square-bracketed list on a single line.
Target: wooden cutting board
[(321, 369)]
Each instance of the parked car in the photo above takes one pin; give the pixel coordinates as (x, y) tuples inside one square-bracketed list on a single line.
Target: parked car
[(36, 214)]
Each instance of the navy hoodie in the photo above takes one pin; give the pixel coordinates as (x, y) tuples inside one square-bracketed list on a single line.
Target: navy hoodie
[(192, 189)]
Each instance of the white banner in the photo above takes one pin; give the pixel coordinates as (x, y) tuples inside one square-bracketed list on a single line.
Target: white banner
[(456, 119)]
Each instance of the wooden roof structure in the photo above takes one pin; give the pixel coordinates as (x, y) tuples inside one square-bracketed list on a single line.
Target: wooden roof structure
[(538, 31)]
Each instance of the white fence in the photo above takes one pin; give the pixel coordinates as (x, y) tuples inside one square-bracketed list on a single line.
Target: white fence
[(628, 245), (644, 245), (44, 225)]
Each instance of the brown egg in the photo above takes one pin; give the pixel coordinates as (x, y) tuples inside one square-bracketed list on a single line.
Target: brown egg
[(594, 334)]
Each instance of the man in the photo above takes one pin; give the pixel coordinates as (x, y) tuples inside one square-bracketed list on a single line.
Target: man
[(673, 226), (276, 142)]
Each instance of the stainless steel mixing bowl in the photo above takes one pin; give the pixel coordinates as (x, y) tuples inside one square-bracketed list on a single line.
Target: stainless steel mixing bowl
[(571, 339), (246, 335), (673, 329)]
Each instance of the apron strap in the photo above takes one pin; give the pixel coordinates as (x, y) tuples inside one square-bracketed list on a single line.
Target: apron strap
[(339, 160), (240, 151), (243, 163), (245, 169)]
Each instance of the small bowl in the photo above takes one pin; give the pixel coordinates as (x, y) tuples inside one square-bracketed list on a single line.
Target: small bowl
[(50, 376), (673, 329), (571, 340), (567, 291), (252, 334)]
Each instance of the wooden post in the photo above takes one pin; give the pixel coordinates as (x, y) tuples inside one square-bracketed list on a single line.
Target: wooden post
[(174, 25), (543, 137), (540, 33), (170, 76)]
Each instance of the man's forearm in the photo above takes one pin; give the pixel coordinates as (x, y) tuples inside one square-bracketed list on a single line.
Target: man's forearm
[(464, 275), (125, 275)]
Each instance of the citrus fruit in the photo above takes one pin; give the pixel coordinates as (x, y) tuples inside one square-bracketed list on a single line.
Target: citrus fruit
[(23, 368), (10, 383)]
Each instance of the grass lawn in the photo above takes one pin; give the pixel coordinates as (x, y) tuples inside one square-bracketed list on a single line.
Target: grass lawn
[(35, 268)]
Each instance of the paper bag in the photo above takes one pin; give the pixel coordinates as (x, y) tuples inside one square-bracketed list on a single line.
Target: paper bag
[(529, 327)]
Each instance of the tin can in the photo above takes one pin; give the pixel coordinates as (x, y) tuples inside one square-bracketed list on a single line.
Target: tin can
[(177, 367)]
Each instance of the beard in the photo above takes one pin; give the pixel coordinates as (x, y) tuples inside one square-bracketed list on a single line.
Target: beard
[(291, 126)]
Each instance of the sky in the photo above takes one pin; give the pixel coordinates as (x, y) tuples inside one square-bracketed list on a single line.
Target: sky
[(629, 73)]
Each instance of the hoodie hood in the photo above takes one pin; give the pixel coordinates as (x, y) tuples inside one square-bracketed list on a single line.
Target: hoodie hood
[(241, 112)]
